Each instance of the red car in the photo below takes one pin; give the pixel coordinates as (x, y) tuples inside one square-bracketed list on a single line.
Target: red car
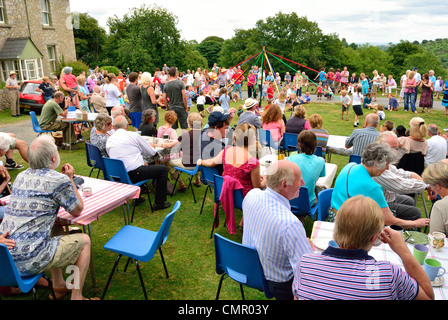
[(29, 97)]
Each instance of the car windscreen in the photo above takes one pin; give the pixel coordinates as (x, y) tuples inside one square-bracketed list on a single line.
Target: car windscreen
[(30, 88)]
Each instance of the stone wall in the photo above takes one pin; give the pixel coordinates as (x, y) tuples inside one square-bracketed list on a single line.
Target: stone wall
[(58, 34)]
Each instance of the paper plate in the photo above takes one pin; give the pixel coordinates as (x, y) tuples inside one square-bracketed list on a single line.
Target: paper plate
[(418, 237), (322, 243)]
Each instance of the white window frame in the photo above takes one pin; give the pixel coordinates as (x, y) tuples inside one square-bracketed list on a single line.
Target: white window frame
[(25, 71), (6, 68), (52, 58), (45, 6), (2, 13)]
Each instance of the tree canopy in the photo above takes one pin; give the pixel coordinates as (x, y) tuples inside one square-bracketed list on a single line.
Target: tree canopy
[(147, 37)]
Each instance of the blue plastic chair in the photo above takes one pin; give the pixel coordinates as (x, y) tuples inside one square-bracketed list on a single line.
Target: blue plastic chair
[(289, 142), (114, 170), (207, 178), (10, 276), (323, 203), (300, 206), (94, 159), (241, 263), (355, 158), (217, 188), (319, 152), (265, 139), (191, 174), (36, 126), (140, 245)]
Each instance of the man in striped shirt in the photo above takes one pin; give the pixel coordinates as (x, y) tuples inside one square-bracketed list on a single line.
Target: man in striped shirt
[(347, 272), (272, 229), (362, 137)]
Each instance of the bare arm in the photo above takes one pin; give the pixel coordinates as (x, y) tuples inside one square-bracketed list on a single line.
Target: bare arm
[(69, 171), (411, 265)]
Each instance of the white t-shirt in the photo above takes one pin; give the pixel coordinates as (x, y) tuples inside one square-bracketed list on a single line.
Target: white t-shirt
[(200, 100), (112, 95), (281, 104), (346, 99), (358, 99)]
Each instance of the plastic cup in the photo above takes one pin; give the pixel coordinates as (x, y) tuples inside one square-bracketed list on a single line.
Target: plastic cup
[(420, 253)]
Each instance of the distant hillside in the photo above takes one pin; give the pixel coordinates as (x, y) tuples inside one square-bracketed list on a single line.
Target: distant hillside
[(439, 47)]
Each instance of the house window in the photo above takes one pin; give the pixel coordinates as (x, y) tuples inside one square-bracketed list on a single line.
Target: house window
[(46, 18), (7, 67), (2, 12), (52, 58)]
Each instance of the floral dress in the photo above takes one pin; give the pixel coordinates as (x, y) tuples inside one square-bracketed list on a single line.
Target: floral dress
[(241, 173)]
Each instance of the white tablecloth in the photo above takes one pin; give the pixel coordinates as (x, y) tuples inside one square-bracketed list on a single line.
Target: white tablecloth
[(324, 230)]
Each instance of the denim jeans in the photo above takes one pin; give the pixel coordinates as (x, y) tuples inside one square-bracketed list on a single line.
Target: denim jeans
[(409, 97)]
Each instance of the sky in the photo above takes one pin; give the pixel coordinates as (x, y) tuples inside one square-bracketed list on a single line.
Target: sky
[(374, 21)]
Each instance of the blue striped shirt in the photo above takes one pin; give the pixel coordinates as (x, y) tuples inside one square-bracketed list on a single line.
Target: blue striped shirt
[(340, 274), (360, 138), (272, 229)]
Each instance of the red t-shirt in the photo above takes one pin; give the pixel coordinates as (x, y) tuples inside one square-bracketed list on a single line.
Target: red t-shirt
[(270, 92), (238, 77)]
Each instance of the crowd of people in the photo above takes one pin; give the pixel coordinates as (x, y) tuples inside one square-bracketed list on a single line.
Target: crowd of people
[(368, 196)]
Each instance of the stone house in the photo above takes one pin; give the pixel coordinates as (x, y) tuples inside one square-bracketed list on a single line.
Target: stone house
[(34, 36)]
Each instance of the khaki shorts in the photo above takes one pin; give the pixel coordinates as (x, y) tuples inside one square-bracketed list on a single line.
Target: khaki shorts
[(67, 253)]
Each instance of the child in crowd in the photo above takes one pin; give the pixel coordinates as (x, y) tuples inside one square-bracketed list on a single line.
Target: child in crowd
[(346, 101), (216, 93), (72, 82), (393, 103), (357, 104), (200, 103), (367, 104), (364, 83), (387, 126), (328, 92), (379, 110), (224, 99), (166, 129), (190, 95), (270, 91), (281, 101), (319, 91), (264, 93)]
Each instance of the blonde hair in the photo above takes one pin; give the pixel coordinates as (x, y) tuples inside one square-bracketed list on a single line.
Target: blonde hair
[(316, 121), (245, 135), (357, 221), (418, 128), (81, 79), (282, 96), (300, 111), (436, 174), (109, 77), (411, 74), (193, 119), (146, 78)]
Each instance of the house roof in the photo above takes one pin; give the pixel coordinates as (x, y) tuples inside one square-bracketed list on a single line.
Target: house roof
[(14, 47)]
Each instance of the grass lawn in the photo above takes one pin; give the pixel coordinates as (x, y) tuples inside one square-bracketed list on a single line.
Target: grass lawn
[(189, 251)]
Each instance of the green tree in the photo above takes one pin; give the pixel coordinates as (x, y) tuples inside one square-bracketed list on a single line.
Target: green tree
[(398, 53), (210, 50), (145, 38), (89, 39), (425, 61)]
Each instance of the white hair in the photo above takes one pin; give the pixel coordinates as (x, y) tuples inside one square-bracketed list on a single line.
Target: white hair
[(41, 151)]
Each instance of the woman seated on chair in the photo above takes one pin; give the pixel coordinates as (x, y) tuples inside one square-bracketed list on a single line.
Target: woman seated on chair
[(416, 141), (239, 161), (298, 122), (312, 166), (98, 134), (272, 120)]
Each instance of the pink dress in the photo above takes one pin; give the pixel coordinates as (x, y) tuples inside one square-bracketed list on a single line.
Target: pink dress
[(241, 173), (275, 128)]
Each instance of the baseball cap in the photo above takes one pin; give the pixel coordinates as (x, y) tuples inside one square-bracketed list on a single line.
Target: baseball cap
[(216, 117), (415, 68)]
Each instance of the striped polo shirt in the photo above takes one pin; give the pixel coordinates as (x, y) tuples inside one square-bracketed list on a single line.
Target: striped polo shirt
[(322, 138), (278, 236), (360, 138), (341, 274)]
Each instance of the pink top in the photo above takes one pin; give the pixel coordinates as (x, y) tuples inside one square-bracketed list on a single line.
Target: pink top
[(275, 128), (241, 173), (70, 81)]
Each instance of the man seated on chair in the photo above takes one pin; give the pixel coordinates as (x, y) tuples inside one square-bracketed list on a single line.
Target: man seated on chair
[(29, 220), (9, 143), (362, 137), (49, 119), (272, 229), (357, 179), (398, 183), (130, 148), (98, 100)]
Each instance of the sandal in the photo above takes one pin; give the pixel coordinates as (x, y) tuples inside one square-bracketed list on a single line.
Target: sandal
[(60, 293)]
